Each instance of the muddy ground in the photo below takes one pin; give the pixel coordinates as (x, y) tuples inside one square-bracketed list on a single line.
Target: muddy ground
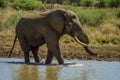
[(68, 50)]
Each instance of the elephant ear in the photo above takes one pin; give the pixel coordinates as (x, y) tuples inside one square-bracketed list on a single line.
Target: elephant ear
[(68, 20), (56, 20)]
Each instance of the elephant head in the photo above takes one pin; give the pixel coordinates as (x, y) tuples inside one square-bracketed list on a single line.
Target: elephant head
[(68, 22)]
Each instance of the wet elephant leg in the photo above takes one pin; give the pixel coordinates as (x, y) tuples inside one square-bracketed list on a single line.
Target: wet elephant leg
[(56, 51), (54, 48), (52, 41), (35, 53), (26, 49), (26, 56), (49, 57)]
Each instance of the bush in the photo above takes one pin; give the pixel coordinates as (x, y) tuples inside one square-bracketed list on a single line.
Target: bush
[(86, 3), (114, 3), (74, 2), (100, 4), (1, 25), (3, 3), (27, 4), (11, 0), (68, 2), (118, 14), (62, 1)]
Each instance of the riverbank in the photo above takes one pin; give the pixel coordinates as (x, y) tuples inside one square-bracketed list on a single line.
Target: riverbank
[(69, 51)]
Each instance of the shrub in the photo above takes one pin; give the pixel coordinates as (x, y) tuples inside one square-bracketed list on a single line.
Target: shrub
[(62, 1), (101, 4), (68, 2), (1, 25), (114, 3), (86, 3), (118, 14), (27, 4), (11, 0), (74, 2), (3, 3)]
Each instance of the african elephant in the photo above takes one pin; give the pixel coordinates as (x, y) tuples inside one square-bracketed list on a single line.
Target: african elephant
[(35, 29)]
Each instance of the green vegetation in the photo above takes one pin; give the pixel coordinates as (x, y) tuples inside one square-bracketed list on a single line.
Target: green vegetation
[(100, 18), (13, 19), (27, 4), (92, 17), (88, 3), (37, 4), (114, 3), (118, 14), (3, 3)]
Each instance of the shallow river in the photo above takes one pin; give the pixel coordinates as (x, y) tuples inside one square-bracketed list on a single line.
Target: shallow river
[(15, 69)]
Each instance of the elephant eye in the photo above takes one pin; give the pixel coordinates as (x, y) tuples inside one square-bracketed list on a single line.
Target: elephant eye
[(73, 17)]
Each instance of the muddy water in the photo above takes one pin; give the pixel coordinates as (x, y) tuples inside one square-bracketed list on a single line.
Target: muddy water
[(15, 69)]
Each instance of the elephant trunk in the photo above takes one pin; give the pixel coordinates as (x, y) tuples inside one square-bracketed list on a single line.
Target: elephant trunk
[(84, 44)]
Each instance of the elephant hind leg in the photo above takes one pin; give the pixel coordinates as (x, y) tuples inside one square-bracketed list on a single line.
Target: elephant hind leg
[(35, 53), (26, 50), (25, 47)]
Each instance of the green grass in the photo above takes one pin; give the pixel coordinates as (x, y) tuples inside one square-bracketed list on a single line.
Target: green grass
[(13, 19), (90, 16), (27, 4)]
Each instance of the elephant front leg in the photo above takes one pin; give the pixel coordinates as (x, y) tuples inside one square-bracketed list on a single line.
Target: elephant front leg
[(54, 48), (52, 40), (49, 57), (35, 53)]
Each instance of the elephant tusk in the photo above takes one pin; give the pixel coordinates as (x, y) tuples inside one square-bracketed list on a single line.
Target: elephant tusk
[(83, 44), (85, 47)]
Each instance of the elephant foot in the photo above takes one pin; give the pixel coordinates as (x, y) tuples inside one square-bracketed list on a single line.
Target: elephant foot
[(47, 62), (37, 61), (61, 62), (27, 62)]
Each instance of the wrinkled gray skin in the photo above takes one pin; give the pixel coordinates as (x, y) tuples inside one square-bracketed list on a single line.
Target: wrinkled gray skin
[(35, 29)]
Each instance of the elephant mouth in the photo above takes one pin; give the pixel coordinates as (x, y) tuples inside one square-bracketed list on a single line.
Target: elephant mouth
[(85, 46)]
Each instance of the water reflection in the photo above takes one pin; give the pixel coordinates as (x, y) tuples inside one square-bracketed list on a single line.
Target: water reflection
[(84, 75), (34, 72), (26, 72), (52, 73), (93, 70)]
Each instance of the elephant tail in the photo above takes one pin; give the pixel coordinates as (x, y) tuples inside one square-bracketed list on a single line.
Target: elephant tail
[(12, 46)]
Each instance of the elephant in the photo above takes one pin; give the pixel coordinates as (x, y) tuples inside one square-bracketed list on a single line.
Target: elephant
[(35, 29)]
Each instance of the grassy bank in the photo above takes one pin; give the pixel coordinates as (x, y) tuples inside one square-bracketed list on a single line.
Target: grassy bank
[(102, 24)]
